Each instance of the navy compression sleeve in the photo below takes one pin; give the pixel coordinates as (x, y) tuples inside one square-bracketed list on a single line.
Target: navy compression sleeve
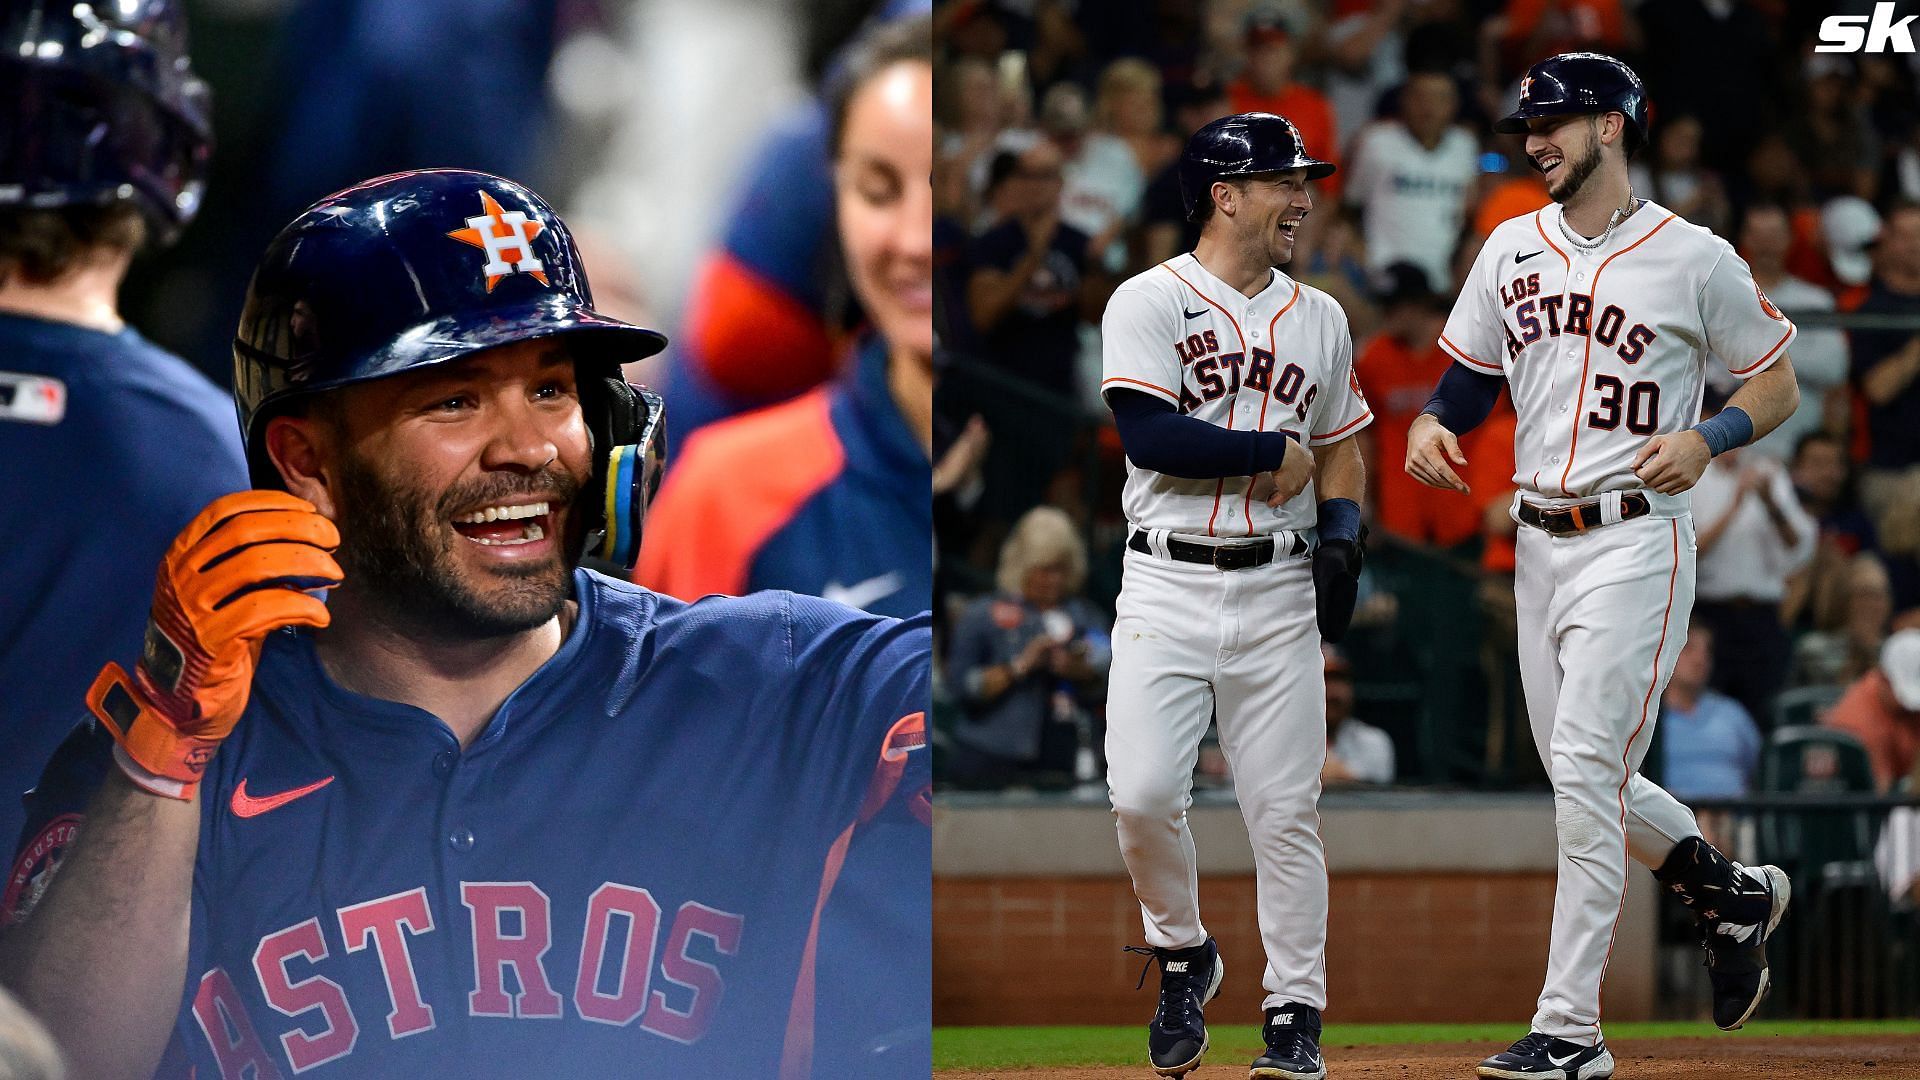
[(1157, 437), (1464, 398)]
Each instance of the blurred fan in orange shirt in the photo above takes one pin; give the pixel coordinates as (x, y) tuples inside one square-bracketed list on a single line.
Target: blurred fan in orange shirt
[(1398, 369), (1267, 85)]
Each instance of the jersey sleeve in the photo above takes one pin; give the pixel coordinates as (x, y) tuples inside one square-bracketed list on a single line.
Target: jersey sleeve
[(868, 682), (55, 807), (1342, 408), (1742, 326), (1473, 334), (1136, 345)]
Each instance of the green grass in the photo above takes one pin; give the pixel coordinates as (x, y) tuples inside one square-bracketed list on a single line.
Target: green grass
[(1004, 1047)]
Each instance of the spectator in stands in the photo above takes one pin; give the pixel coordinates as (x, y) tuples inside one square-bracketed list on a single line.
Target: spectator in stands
[(1830, 133), (827, 494), (1364, 52), (1331, 257), (971, 120), (1398, 368), (1673, 175), (1412, 177), (1752, 536), (1029, 662), (1129, 108), (1886, 363), (1899, 533), (1703, 57), (1819, 354), (1101, 183), (1536, 28), (1882, 710), (1848, 230), (1028, 273), (1164, 228), (1267, 85), (1823, 480), (1710, 746), (1518, 191), (1818, 597), (1869, 614), (1357, 752)]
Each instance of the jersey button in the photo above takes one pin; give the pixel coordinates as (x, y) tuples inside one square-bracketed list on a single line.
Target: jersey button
[(1556, 461), (1563, 408), (460, 840), (443, 761)]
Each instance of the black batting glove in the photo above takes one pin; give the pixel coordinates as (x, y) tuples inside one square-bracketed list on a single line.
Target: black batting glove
[(1336, 582)]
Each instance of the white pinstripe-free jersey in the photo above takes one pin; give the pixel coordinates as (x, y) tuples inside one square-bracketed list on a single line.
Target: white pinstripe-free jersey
[(1602, 350), (1281, 360)]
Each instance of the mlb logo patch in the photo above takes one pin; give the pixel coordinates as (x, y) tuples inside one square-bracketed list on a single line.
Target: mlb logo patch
[(32, 399), (507, 238)]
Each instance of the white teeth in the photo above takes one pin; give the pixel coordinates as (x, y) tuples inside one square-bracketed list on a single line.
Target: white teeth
[(502, 513), (531, 534)]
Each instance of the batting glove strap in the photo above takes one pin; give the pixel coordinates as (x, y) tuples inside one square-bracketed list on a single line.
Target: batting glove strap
[(151, 751)]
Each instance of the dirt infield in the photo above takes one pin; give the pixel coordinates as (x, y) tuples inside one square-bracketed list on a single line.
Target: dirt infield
[(1839, 1057)]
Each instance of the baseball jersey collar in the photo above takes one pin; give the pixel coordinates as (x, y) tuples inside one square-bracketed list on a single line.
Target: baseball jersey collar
[(1224, 293), (310, 676), (1634, 228)]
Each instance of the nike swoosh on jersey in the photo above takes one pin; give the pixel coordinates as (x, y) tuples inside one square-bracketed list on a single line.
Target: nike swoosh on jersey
[(1192, 314), (246, 806), (862, 593), (1519, 258)]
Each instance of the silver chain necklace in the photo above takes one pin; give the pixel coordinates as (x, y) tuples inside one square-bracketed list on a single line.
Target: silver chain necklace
[(1619, 215)]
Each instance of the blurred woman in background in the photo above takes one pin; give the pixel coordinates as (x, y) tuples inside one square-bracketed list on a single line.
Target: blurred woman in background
[(1028, 665)]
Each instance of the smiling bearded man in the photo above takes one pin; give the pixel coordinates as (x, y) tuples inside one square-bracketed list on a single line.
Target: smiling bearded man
[(481, 811)]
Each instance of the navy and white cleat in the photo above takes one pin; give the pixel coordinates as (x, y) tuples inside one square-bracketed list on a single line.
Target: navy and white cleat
[(1189, 978), (1292, 1034), (1543, 1057), (1737, 965)]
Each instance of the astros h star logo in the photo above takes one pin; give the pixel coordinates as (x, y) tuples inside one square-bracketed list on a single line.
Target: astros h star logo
[(507, 238)]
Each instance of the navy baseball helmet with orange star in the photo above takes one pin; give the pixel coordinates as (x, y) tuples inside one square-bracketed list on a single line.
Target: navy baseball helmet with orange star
[(422, 268)]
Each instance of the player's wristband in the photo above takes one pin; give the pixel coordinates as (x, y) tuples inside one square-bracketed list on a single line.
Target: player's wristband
[(1339, 520), (1729, 428)]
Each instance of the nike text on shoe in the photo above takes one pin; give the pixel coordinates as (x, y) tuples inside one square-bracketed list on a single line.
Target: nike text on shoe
[(1543, 1057), (1177, 1038), (1737, 955), (1292, 1033)]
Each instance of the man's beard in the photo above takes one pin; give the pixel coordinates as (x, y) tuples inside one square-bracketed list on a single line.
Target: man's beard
[(397, 550), (1577, 174)]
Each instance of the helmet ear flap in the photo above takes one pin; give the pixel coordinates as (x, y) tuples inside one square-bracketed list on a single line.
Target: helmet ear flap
[(628, 427)]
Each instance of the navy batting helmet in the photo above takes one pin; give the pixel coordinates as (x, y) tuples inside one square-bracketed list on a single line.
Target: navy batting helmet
[(103, 107), (423, 268), (1245, 144), (1574, 84)]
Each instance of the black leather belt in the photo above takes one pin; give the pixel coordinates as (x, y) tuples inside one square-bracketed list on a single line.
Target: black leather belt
[(1580, 516), (1219, 556)]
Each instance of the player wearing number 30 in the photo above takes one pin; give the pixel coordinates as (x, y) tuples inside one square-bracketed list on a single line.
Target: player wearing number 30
[(1600, 313), (1232, 386)]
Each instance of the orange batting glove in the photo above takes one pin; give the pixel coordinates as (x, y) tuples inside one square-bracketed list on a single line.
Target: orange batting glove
[(240, 570)]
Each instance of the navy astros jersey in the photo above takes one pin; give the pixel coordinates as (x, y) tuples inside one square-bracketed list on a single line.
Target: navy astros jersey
[(623, 876), (111, 445)]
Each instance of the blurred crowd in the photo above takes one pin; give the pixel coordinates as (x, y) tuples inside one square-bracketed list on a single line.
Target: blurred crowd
[(1058, 126)]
